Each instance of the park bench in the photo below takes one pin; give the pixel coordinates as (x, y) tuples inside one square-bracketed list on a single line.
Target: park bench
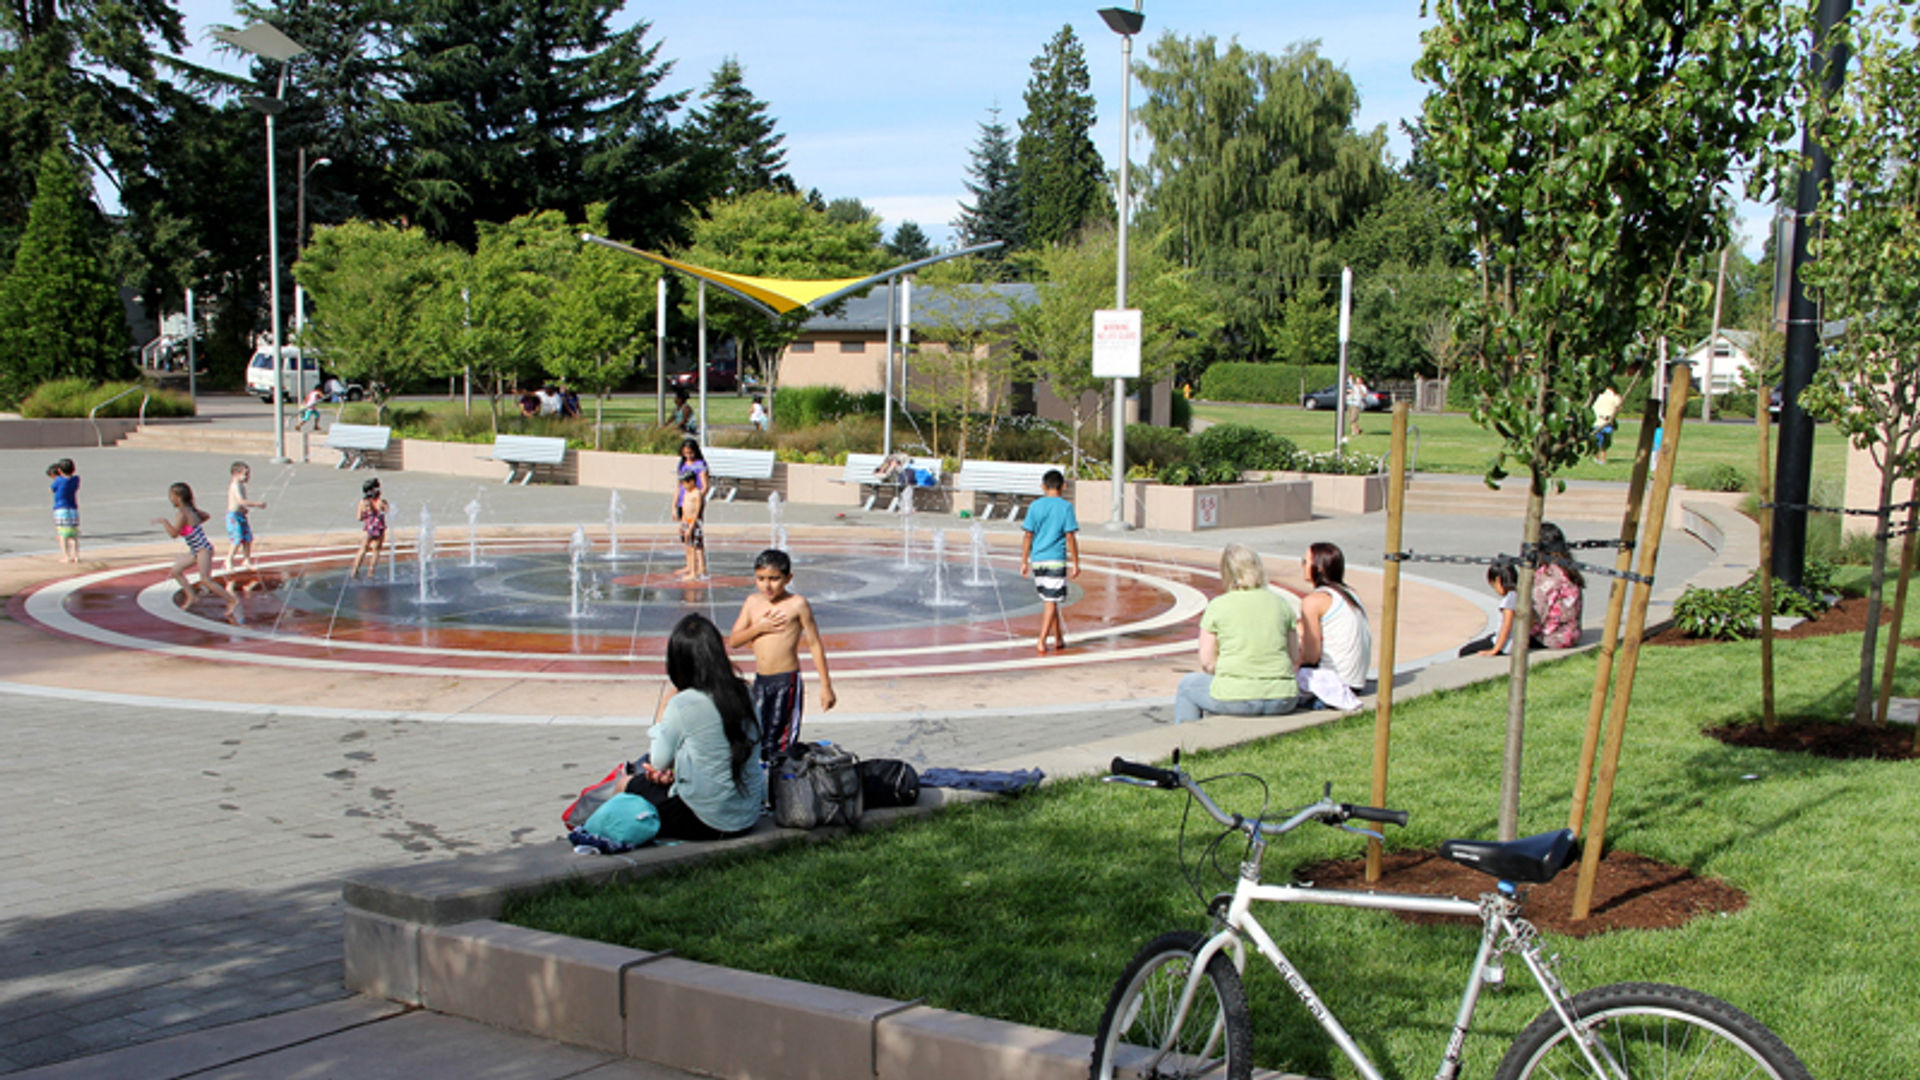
[(356, 441), (528, 452), (1013, 480), (861, 469), (737, 467)]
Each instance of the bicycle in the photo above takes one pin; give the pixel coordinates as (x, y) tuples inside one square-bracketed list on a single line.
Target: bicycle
[(1179, 1010)]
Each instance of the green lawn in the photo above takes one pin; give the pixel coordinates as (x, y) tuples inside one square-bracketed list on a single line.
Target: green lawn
[(1453, 443), (1026, 909), (640, 409)]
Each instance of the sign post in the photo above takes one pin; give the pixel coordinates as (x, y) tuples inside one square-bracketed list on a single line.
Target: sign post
[(1116, 356)]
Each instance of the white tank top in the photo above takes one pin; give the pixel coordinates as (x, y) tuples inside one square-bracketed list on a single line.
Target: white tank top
[(1346, 643)]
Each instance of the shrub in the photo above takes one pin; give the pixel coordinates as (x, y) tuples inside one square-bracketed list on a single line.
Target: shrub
[(75, 398), (1157, 447), (806, 406), (1242, 447), (1182, 412), (829, 442), (1189, 474), (1732, 613), (1339, 463), (1276, 384), (1718, 476)]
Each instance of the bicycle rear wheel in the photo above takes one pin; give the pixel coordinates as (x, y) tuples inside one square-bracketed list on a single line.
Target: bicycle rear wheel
[(1652, 1031), (1215, 1037)]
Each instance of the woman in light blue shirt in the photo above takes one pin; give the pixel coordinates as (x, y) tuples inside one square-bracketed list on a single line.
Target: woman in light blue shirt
[(703, 773)]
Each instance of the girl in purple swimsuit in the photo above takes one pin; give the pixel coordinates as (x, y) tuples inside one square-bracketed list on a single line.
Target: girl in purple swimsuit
[(186, 524), (373, 522)]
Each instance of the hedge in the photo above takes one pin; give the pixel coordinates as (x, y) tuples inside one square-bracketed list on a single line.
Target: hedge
[(74, 398), (1277, 384)]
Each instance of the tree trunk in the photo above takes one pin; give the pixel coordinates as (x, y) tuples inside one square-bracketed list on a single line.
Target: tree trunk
[(1509, 821), (1863, 693), (599, 411)]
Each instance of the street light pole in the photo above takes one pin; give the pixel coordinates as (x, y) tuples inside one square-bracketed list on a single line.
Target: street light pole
[(1126, 23), (268, 43), (300, 242)]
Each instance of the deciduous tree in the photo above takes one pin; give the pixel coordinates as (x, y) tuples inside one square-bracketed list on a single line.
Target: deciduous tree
[(374, 289), (600, 318), (1586, 147), (1867, 269)]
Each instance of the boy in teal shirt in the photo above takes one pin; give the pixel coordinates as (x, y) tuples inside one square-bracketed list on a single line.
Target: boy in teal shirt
[(1051, 551)]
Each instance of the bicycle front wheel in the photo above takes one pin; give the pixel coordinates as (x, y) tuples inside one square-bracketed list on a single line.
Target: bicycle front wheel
[(1651, 1031), (1144, 1034)]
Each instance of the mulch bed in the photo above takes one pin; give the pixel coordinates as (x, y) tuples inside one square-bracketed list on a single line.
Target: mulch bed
[(1849, 616), (1822, 738), (1630, 892)]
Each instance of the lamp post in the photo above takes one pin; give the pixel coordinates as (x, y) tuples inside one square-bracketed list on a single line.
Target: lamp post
[(263, 40), (1125, 22), (300, 243)]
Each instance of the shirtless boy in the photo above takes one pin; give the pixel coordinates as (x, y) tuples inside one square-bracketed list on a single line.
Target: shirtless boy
[(239, 526), (773, 620), (692, 502)]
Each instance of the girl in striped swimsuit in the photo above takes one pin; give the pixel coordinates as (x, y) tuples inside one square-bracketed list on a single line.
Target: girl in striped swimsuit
[(186, 523)]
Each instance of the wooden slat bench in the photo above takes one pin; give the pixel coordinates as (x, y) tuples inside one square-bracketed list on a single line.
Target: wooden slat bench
[(861, 469), (528, 452), (356, 441), (736, 467), (1013, 480)]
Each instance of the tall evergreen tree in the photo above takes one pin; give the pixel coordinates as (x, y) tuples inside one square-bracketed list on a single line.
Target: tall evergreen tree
[(550, 110), (1062, 180), (995, 187), (909, 244), (735, 139), (59, 312)]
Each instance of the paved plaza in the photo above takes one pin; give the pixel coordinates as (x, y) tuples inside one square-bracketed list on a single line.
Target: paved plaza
[(180, 826)]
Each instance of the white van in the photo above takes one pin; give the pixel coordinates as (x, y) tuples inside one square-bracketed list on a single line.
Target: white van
[(299, 375)]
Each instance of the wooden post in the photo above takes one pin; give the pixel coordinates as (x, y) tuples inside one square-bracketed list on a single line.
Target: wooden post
[(1899, 614), (1630, 647), (1763, 420), (1389, 621), (1616, 603)]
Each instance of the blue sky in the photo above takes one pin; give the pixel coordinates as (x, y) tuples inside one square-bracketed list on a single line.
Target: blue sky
[(883, 102)]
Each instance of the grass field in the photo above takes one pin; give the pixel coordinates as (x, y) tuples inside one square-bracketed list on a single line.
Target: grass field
[(1026, 909), (722, 409), (1453, 443)]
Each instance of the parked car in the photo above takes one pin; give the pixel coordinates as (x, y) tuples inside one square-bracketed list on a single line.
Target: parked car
[(1329, 398), (299, 375), (723, 376)]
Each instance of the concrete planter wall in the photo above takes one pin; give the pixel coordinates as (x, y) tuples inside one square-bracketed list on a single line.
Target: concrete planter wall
[(447, 459), (816, 484), (628, 472), (33, 434), (1342, 494), (1198, 509)]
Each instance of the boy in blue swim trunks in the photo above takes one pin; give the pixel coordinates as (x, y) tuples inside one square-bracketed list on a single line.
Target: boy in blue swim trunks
[(66, 508), (773, 621), (1050, 549), (239, 527)]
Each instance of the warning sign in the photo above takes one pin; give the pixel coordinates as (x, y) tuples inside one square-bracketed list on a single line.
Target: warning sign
[(1116, 344)]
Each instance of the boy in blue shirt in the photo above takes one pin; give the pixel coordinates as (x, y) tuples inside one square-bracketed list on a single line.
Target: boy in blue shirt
[(1049, 548), (66, 508)]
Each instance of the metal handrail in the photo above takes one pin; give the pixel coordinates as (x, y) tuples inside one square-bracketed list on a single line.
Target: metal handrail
[(99, 438)]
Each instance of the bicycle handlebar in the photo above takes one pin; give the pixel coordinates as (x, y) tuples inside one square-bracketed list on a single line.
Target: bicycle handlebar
[(1325, 810)]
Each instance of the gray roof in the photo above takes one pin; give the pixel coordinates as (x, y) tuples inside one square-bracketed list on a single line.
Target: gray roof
[(869, 313)]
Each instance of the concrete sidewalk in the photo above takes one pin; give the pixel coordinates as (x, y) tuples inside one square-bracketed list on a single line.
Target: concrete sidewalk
[(230, 832)]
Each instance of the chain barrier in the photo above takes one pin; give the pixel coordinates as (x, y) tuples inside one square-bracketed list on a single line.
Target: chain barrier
[(1529, 557), (1818, 509)]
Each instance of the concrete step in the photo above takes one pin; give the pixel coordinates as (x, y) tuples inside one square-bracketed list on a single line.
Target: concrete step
[(1468, 496), (199, 438)]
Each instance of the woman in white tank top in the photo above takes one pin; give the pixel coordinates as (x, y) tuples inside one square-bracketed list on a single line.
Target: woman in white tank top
[(1336, 646)]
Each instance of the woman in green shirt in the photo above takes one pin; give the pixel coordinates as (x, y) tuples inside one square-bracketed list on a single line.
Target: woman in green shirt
[(703, 772), (1246, 647)]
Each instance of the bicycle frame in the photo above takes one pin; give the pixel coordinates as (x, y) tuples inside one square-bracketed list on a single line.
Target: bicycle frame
[(1502, 931)]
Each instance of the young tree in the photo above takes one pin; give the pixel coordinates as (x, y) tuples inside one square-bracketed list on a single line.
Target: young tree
[(848, 210), (600, 318), (60, 314), (495, 309), (1586, 147), (1055, 331), (995, 186), (768, 234), (1062, 180), (972, 367), (374, 289), (1867, 268), (1255, 170), (734, 139), (909, 244)]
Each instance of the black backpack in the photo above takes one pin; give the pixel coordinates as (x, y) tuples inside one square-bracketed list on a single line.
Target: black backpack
[(886, 782)]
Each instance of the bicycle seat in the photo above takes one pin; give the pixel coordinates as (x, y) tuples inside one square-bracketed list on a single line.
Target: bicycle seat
[(1532, 859)]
